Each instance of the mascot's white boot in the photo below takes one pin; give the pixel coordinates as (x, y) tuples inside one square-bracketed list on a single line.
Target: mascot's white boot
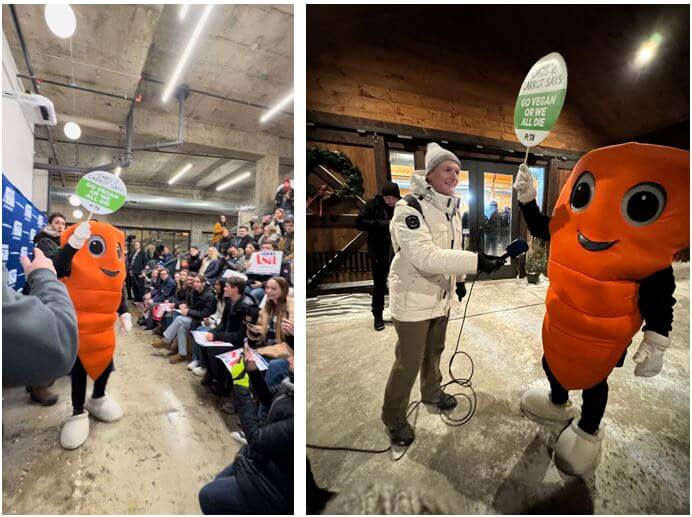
[(75, 431), (536, 402), (105, 409), (576, 451)]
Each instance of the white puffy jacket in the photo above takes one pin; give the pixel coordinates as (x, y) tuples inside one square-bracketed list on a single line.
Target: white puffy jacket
[(428, 255)]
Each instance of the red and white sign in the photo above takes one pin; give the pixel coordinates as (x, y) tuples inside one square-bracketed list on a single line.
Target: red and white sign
[(265, 263)]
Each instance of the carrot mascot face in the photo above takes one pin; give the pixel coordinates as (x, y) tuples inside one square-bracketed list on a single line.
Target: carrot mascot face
[(622, 216), (95, 286), (624, 212)]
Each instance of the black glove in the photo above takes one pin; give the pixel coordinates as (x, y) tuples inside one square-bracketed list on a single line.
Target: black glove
[(461, 290), (489, 263)]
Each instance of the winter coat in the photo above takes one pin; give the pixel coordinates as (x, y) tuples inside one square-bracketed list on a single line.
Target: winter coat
[(428, 258), (241, 242), (39, 332), (195, 263), (48, 241), (213, 270), (374, 217), (231, 329), (137, 262), (223, 245), (165, 291), (264, 467), (218, 233), (202, 305)]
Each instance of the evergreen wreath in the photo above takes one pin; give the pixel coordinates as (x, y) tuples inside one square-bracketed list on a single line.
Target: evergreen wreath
[(353, 179)]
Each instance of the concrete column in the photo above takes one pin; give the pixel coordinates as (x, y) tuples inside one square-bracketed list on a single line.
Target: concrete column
[(266, 183)]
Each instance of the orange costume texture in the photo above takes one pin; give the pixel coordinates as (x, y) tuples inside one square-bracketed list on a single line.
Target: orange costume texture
[(591, 305), (95, 287)]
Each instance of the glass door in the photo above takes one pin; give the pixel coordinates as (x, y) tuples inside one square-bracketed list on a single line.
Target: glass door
[(494, 222)]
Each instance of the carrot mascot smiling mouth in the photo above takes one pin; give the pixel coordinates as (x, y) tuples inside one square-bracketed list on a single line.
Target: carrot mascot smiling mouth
[(95, 286)]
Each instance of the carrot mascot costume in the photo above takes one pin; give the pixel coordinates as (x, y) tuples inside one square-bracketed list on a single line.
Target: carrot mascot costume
[(91, 262), (618, 223)]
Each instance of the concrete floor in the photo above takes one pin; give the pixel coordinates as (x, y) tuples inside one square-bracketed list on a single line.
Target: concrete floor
[(172, 439), (499, 461)]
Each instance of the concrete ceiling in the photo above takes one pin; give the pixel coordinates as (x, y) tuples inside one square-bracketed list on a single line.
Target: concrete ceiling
[(245, 54)]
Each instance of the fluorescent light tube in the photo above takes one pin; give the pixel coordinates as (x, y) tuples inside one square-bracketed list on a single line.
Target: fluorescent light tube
[(180, 173), (173, 81), (233, 181), (273, 111)]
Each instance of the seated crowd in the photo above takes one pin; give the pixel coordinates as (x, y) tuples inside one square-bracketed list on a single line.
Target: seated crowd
[(232, 308)]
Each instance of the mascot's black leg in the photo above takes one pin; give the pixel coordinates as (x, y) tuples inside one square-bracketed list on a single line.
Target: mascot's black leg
[(594, 403), (100, 383), (79, 385), (558, 394)]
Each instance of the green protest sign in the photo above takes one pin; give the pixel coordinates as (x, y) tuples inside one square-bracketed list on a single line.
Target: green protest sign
[(101, 192), (540, 99)]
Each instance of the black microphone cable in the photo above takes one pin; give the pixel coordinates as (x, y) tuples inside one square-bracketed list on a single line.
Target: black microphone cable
[(463, 382)]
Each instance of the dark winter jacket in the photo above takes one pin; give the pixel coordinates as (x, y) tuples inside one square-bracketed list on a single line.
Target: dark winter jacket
[(164, 291), (213, 270), (655, 292), (264, 467), (231, 329), (202, 305), (48, 241), (241, 242), (137, 261), (223, 245), (195, 263), (374, 218)]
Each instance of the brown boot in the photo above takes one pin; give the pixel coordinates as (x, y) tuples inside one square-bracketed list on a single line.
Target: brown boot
[(42, 395), (176, 358), (161, 343)]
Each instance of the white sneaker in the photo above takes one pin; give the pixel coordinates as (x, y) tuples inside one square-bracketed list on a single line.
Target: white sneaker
[(105, 409), (193, 364), (239, 436), (75, 431), (576, 451), (536, 402), (199, 371)]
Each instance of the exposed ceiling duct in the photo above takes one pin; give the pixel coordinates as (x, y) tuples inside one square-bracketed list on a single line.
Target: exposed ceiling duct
[(175, 204)]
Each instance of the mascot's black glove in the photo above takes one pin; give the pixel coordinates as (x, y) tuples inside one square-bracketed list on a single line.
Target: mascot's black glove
[(461, 290), (489, 263)]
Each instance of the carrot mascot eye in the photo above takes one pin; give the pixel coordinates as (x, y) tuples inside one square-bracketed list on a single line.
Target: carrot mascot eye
[(622, 216), (95, 287)]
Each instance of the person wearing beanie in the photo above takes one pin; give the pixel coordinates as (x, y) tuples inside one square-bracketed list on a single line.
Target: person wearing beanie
[(428, 268), (374, 217)]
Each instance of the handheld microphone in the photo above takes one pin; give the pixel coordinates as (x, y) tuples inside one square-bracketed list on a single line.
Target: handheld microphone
[(515, 248)]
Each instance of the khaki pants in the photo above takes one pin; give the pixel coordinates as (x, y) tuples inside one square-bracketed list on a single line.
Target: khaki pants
[(418, 348)]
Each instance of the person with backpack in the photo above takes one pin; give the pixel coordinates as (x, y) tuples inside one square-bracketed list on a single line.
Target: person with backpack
[(374, 218), (429, 266)]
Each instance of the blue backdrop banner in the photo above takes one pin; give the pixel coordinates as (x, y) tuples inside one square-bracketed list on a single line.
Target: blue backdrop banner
[(21, 222)]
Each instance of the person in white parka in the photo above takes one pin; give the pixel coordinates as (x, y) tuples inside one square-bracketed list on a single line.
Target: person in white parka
[(429, 266)]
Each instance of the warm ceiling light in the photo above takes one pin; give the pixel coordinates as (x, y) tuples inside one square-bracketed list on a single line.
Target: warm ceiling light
[(118, 170), (273, 111), (233, 181), (173, 81), (78, 214), (60, 19), (72, 130), (648, 49), (180, 173), (74, 200), (183, 11)]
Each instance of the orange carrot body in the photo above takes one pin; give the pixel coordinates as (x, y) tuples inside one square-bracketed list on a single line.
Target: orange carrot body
[(95, 287), (592, 310)]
